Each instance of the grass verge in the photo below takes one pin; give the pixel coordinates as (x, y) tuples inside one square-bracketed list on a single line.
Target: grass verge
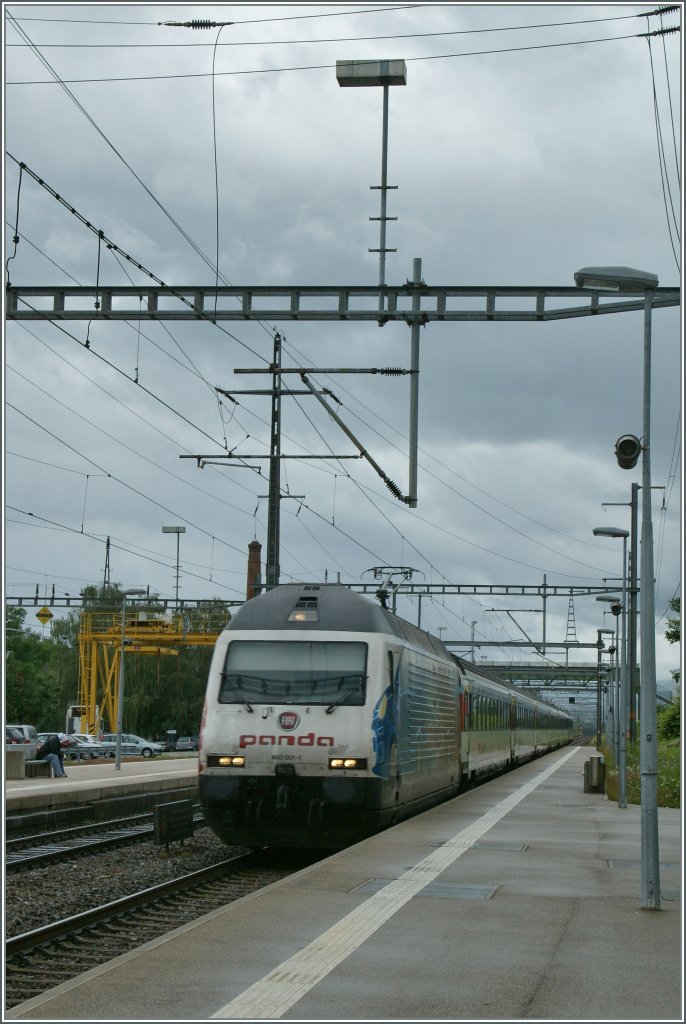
[(668, 774)]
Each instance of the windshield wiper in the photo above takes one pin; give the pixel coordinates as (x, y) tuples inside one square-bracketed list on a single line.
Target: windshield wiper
[(337, 703), (235, 682)]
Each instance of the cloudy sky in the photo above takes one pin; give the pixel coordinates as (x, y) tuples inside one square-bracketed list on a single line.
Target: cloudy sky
[(523, 147)]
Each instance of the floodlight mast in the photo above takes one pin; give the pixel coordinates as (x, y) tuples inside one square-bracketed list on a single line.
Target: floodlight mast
[(355, 73), (383, 73)]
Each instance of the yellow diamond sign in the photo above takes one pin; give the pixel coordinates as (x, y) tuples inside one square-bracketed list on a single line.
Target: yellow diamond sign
[(44, 615)]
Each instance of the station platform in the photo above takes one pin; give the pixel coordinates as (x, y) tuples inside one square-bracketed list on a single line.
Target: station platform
[(92, 781), (518, 900)]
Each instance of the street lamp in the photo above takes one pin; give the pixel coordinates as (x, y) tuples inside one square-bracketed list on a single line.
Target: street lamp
[(120, 696), (624, 688), (626, 279), (177, 530)]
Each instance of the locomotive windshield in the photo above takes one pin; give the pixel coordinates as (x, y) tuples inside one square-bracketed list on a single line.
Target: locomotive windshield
[(288, 672)]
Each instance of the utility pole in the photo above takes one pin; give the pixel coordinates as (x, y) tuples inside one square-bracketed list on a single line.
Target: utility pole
[(274, 498), (633, 614), (632, 629)]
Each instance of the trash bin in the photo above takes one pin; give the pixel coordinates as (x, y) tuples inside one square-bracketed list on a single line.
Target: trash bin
[(594, 774)]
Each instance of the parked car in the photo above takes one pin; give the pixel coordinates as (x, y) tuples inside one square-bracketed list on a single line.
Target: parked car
[(131, 744), (187, 743), (26, 735), (89, 746)]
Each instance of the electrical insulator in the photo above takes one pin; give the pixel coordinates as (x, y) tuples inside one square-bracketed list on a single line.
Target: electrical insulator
[(393, 488), (196, 23)]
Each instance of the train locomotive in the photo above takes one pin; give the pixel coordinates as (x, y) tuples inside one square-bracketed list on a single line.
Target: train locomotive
[(327, 718)]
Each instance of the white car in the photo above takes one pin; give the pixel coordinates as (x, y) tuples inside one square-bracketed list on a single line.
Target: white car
[(131, 744), (89, 746)]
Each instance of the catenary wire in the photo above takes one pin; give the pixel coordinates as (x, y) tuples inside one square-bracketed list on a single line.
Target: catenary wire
[(129, 448), (250, 21), (333, 39), (436, 526), (327, 67)]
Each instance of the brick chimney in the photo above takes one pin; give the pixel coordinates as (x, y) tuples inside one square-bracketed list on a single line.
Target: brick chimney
[(254, 569)]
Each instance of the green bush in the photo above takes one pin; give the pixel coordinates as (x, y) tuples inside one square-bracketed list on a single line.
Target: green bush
[(669, 721)]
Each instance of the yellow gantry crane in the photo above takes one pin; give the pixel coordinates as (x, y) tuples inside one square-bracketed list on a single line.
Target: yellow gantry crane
[(147, 632)]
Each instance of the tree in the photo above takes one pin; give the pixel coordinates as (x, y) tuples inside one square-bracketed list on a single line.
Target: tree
[(669, 720), (673, 631), (31, 677), (162, 692)]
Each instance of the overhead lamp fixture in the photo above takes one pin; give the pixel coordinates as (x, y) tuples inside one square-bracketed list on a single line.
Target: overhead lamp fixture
[(616, 279)]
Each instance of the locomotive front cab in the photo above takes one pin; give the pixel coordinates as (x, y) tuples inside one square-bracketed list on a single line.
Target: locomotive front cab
[(288, 753)]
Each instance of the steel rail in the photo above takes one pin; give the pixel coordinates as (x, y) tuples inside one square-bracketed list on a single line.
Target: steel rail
[(117, 908), (20, 853)]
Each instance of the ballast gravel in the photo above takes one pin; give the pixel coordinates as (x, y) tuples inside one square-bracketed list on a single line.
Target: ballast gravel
[(37, 896)]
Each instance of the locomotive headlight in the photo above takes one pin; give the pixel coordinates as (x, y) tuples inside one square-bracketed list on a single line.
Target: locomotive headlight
[(226, 761), (348, 762)]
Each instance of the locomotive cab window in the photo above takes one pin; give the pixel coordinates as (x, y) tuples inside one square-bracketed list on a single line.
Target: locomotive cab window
[(287, 672)]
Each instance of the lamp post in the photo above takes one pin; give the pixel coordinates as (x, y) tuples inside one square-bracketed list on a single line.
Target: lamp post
[(120, 696), (177, 530), (624, 686), (625, 279)]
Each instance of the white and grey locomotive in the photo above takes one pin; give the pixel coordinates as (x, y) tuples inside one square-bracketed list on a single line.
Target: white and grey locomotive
[(327, 718)]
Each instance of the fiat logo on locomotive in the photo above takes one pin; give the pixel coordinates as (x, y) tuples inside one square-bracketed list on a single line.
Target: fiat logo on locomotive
[(289, 720)]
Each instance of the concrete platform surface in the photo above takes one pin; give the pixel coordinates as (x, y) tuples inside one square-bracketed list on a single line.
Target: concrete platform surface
[(519, 900), (94, 780)]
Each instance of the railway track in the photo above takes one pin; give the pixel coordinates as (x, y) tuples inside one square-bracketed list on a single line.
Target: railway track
[(45, 957), (29, 851)]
